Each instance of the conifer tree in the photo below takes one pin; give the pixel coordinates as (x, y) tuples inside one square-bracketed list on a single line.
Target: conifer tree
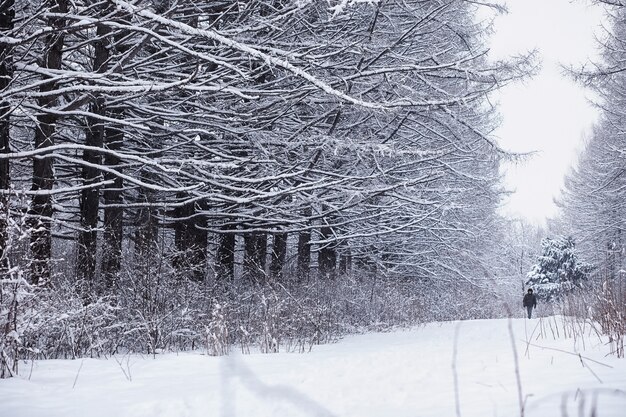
[(558, 269)]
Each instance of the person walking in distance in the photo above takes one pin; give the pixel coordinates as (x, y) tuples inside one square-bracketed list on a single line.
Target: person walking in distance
[(530, 302)]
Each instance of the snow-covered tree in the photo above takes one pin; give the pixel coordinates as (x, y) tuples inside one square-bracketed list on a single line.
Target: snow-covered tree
[(558, 269)]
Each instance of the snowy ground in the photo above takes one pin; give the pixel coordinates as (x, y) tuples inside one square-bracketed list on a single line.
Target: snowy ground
[(404, 373)]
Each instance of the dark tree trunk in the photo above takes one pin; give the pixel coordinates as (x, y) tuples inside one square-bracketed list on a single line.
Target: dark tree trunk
[(190, 235), (113, 197), (327, 255), (345, 261), (90, 197), (199, 237), (40, 212), (190, 238), (255, 254), (147, 224), (182, 214), (113, 212), (279, 253), (304, 255), (225, 268), (7, 14)]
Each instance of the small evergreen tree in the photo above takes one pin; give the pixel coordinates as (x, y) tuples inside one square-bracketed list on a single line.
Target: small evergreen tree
[(558, 269)]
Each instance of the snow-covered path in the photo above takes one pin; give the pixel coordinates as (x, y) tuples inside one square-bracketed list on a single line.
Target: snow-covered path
[(397, 374)]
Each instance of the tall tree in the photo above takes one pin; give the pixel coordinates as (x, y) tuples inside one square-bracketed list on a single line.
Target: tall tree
[(41, 210), (7, 15), (91, 174), (592, 199)]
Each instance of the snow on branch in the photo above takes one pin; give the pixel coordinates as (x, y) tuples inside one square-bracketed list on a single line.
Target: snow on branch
[(249, 50)]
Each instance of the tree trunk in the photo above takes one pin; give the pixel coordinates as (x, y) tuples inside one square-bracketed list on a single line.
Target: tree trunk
[(255, 254), (90, 197), (327, 255), (345, 260), (181, 233), (225, 268), (113, 212), (304, 253), (7, 14), (278, 255), (199, 237), (190, 238), (113, 222), (147, 224), (40, 212)]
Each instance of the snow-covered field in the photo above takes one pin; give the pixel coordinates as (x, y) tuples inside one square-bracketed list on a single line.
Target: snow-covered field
[(404, 373)]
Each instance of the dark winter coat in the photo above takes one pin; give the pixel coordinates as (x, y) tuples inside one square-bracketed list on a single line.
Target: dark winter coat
[(530, 300)]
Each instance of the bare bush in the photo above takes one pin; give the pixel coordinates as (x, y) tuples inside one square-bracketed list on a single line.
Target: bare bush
[(155, 309), (610, 310), (13, 290), (217, 332)]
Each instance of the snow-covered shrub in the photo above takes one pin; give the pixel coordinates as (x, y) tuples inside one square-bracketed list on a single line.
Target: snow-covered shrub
[(293, 316), (149, 311), (16, 294), (160, 311), (270, 335), (276, 318), (610, 313), (465, 300), (59, 324), (13, 292), (217, 333), (56, 322), (155, 310)]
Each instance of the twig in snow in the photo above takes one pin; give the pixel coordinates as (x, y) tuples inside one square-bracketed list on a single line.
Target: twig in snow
[(582, 360), (572, 353), (126, 371), (457, 402), (78, 373), (518, 381), (527, 354)]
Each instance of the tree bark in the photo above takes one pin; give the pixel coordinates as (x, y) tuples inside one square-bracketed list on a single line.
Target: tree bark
[(147, 223), (199, 237), (7, 14), (278, 255), (113, 194), (40, 212), (113, 199), (190, 238), (225, 268), (90, 197), (327, 255), (345, 261), (255, 254), (304, 252)]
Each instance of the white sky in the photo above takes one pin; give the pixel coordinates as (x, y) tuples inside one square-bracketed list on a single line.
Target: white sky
[(550, 113)]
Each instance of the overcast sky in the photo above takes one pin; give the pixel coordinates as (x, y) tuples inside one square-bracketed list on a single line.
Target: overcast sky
[(549, 114)]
